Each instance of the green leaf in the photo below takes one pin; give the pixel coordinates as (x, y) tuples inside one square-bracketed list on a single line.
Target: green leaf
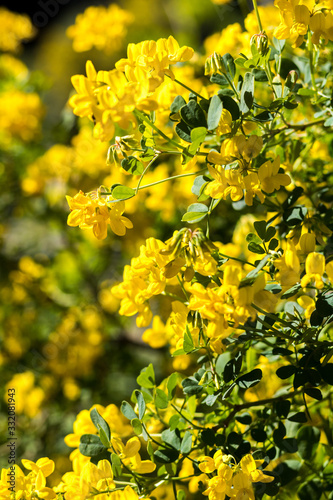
[(229, 65), (295, 215), (291, 292), (186, 444), (307, 440), (219, 79), (247, 93), (132, 165), (100, 423), (287, 471), (214, 112), (306, 92), (91, 445), (183, 131), (198, 135), (255, 248), (181, 495), (324, 304), (178, 103), (172, 438), (190, 386), (172, 384), (137, 426), (260, 227), (314, 393), (193, 115), (195, 213), (141, 403), (298, 417), (260, 266), (230, 104), (311, 490), (161, 400), (127, 410), (103, 437), (286, 371), (199, 184), (166, 455), (273, 244), (123, 193), (146, 378), (188, 344), (116, 465), (253, 237), (282, 408), (249, 379)]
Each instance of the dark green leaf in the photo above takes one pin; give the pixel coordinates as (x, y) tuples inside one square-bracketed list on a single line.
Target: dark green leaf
[(91, 445), (255, 248), (291, 292), (299, 417), (307, 440), (287, 471), (230, 104), (282, 408), (132, 165), (324, 304), (314, 393), (193, 115), (326, 372), (249, 379), (294, 215), (183, 131), (219, 79), (247, 92), (311, 490), (286, 371), (259, 435), (245, 418), (178, 103), (190, 386), (208, 437), (260, 227), (100, 423), (166, 455)]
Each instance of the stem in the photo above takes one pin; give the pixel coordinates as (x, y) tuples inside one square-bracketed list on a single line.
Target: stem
[(144, 173), (312, 70), (171, 178), (144, 118), (187, 88), (238, 260), (187, 420), (255, 6)]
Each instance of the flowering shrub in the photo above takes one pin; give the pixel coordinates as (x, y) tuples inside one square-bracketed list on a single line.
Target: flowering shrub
[(245, 142)]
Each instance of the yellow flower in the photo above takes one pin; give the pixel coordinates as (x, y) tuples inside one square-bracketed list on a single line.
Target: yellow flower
[(150, 60), (96, 214), (102, 27), (14, 29), (314, 270), (130, 456), (270, 179)]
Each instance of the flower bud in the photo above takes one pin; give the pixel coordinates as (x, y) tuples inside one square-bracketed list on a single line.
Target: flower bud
[(214, 64), (259, 43)]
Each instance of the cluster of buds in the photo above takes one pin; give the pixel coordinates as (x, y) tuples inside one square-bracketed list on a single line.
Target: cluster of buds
[(215, 64), (186, 247), (259, 44), (119, 150)]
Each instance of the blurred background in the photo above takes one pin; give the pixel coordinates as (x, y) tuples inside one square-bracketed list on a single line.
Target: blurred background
[(63, 346)]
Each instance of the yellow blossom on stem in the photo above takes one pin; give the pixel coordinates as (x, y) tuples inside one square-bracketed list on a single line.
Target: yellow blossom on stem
[(97, 214)]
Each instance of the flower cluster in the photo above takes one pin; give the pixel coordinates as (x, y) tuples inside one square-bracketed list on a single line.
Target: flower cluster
[(298, 17), (232, 480), (15, 28), (97, 214), (102, 27)]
